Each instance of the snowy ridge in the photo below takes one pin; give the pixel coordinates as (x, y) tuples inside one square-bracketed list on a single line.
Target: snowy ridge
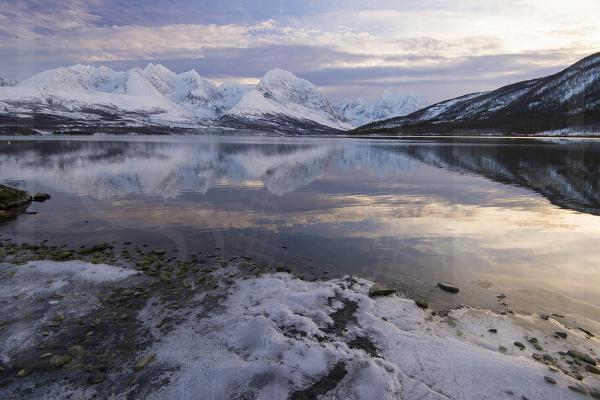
[(282, 93), (360, 112), (157, 96)]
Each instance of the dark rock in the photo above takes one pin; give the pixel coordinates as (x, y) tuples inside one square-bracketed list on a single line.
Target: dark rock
[(448, 287), (422, 303), (493, 330), (12, 201), (550, 380), (576, 354), (561, 334), (378, 292), (95, 378), (41, 197), (519, 345), (592, 369), (586, 332), (578, 389)]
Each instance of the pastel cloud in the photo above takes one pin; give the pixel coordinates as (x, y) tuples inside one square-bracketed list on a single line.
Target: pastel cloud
[(439, 41)]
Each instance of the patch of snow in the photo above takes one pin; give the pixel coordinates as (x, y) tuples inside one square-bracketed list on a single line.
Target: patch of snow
[(272, 336)]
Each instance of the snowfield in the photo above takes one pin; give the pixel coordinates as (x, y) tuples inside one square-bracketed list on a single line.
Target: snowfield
[(279, 337)]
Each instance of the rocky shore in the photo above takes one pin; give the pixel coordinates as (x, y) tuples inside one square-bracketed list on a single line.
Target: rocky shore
[(128, 321)]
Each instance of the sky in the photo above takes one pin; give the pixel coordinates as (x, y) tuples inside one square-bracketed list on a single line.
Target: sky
[(348, 48)]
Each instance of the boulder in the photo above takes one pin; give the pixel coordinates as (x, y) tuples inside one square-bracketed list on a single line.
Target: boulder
[(41, 197), (12, 201), (448, 287)]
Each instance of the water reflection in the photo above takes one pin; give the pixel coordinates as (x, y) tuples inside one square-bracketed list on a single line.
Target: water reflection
[(406, 213)]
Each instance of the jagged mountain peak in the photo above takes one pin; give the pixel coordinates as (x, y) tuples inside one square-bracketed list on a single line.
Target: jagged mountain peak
[(280, 95)]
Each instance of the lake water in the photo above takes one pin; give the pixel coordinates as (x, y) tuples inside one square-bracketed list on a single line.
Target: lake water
[(513, 216)]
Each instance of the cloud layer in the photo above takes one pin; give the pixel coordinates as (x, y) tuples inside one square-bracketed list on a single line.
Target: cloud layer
[(439, 48)]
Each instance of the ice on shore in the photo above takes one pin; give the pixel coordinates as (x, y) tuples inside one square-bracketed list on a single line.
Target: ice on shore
[(277, 337), (31, 295)]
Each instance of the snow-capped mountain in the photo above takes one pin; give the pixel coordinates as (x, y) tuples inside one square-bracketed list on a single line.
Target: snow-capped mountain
[(569, 99), (150, 95), (86, 98), (282, 98), (360, 112)]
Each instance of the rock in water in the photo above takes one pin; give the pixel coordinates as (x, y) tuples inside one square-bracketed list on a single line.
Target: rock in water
[(448, 287), (41, 197), (12, 200)]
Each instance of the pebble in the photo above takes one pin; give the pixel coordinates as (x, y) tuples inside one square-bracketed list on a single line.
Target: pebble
[(576, 354), (591, 369), (59, 361), (493, 330), (23, 372), (561, 334), (578, 389), (142, 362), (422, 303), (550, 380), (519, 345)]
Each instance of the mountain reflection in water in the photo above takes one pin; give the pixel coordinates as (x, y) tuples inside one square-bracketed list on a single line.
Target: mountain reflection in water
[(407, 213)]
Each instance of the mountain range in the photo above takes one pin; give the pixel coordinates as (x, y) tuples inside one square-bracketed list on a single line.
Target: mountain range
[(85, 98), (566, 102)]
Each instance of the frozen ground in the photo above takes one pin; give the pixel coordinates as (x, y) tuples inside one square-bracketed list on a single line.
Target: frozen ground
[(279, 337), (241, 334)]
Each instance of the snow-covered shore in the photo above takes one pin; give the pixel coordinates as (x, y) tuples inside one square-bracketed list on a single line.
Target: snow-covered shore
[(244, 334)]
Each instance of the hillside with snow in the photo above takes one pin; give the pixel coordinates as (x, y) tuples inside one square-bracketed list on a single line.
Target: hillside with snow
[(360, 112), (564, 102)]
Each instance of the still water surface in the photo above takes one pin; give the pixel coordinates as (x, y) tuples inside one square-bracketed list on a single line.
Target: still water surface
[(513, 216)]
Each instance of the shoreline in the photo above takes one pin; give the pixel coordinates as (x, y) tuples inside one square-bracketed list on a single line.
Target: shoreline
[(178, 317)]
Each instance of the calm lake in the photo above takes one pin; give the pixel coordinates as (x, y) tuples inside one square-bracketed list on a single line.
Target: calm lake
[(514, 216)]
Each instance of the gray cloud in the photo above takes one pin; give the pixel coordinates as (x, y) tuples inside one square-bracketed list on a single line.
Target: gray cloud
[(346, 47)]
